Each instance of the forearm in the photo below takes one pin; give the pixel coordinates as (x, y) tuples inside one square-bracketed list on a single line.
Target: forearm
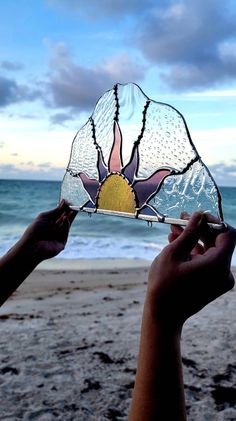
[(15, 266), (159, 392)]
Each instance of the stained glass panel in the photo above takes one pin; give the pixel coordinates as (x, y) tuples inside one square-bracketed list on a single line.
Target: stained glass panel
[(134, 157)]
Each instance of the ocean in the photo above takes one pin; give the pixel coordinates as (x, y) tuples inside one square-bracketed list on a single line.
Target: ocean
[(91, 236)]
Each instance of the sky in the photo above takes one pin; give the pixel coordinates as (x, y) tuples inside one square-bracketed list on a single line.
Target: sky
[(57, 57)]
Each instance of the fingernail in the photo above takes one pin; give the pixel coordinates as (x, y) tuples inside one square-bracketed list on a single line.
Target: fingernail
[(197, 218), (184, 215), (224, 226), (62, 202)]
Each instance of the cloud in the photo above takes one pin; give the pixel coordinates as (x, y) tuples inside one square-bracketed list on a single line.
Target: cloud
[(61, 118), (12, 92), (28, 116), (27, 163), (30, 172), (101, 9), (192, 44), (76, 86), (224, 174), (44, 165), (10, 65), (188, 50), (7, 168)]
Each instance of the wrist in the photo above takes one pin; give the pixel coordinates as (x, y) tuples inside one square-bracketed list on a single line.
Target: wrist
[(27, 251), (162, 318)]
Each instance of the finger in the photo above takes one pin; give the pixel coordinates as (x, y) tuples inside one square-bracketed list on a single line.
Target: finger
[(66, 220), (209, 234), (231, 281), (217, 258), (56, 211), (172, 237), (185, 215), (211, 218), (225, 243), (188, 239), (223, 247), (71, 216), (198, 249), (176, 229), (63, 229)]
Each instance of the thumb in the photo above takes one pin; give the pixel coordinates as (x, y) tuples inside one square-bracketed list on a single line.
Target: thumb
[(188, 239), (57, 211), (63, 228)]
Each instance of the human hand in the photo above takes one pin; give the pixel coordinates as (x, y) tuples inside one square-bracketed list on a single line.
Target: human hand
[(47, 235), (188, 275)]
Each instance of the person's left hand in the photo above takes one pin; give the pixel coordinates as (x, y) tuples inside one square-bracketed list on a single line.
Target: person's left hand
[(47, 234)]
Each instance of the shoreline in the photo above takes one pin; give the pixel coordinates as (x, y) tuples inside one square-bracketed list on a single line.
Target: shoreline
[(92, 264), (96, 264)]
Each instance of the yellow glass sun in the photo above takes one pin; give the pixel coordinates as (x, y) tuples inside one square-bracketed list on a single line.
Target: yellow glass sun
[(122, 198)]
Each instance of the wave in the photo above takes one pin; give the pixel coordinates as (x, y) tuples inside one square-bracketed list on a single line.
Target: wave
[(103, 248), (108, 248)]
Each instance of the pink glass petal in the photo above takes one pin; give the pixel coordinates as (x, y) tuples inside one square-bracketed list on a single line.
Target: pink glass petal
[(90, 185), (146, 188), (115, 160), (102, 169), (131, 168)]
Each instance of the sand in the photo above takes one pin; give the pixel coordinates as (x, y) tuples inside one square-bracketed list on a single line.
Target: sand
[(69, 343)]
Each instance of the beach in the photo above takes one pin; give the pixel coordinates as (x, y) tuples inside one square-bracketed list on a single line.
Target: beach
[(70, 338)]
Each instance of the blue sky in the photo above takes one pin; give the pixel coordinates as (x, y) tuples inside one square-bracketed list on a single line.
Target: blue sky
[(57, 57)]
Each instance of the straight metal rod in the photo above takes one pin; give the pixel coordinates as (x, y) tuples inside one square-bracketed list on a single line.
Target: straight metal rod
[(149, 218)]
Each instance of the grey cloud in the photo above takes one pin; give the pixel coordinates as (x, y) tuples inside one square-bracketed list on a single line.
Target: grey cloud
[(224, 174), (2, 144), (188, 76), (9, 91), (49, 173), (100, 9), (27, 163), (73, 85), (14, 154), (10, 65), (192, 44), (9, 171), (44, 165), (12, 92), (61, 118), (192, 39), (28, 116)]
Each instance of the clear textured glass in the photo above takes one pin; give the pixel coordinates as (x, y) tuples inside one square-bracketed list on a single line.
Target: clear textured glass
[(189, 192), (134, 157)]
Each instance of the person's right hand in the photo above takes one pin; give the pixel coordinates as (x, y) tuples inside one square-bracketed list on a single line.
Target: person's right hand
[(188, 275), (47, 235)]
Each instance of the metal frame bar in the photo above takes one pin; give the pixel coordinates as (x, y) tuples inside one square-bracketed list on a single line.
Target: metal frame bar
[(149, 218)]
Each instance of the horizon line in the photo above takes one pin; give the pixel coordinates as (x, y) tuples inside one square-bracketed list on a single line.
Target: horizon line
[(60, 181)]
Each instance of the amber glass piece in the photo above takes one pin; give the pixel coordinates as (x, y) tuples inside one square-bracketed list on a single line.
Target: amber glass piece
[(122, 198)]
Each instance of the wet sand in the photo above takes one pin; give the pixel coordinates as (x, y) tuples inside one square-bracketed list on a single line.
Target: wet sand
[(69, 343)]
